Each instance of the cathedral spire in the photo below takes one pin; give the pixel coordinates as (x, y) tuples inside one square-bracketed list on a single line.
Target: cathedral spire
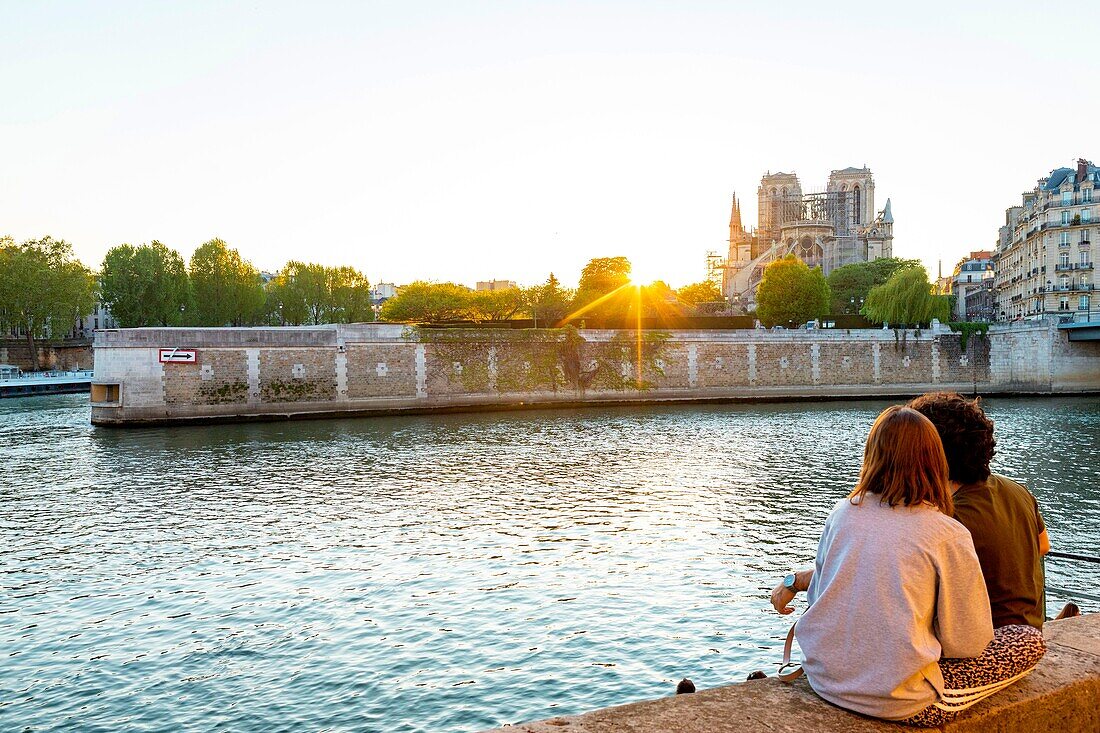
[(735, 217), (887, 214)]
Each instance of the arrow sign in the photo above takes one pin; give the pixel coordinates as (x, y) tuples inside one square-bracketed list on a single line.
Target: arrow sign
[(178, 356)]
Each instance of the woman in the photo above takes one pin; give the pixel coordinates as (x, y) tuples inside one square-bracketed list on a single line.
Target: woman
[(898, 624)]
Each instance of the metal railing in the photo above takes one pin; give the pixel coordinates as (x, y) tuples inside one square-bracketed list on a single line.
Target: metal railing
[(1072, 593)]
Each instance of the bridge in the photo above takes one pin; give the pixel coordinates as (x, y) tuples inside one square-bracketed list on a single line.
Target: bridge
[(1082, 326)]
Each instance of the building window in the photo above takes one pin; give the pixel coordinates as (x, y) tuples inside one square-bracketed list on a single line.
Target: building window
[(1084, 258), (1063, 284), (1063, 304), (1063, 259), (1065, 218), (1083, 303), (1086, 196), (1067, 198), (1086, 215), (1064, 239), (857, 204)]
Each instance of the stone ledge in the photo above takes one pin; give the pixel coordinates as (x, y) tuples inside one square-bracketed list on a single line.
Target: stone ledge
[(1061, 694)]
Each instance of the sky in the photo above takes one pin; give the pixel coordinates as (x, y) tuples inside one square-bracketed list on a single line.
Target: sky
[(464, 141)]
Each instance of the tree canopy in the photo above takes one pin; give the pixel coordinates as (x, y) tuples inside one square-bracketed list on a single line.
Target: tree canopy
[(306, 293), (144, 285), (850, 284), (906, 299), (705, 297), (600, 277), (791, 292), (227, 288), (549, 302), (44, 289), (497, 305), (424, 302)]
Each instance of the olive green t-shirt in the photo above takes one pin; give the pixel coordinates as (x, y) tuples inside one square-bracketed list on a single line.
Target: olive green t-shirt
[(1004, 521)]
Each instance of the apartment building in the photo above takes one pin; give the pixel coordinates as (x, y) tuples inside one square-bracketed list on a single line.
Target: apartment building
[(1043, 260)]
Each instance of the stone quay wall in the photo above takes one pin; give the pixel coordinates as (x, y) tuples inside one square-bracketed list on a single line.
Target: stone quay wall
[(66, 355), (273, 373)]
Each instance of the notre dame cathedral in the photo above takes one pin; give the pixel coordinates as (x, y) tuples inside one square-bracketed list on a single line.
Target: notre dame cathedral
[(826, 229)]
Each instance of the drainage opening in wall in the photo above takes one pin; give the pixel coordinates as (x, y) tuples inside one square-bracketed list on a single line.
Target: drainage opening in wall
[(106, 394)]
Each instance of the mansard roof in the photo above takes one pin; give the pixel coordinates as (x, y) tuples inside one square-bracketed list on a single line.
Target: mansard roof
[(1058, 177)]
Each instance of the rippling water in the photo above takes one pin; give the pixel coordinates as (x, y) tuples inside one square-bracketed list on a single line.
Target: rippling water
[(448, 572)]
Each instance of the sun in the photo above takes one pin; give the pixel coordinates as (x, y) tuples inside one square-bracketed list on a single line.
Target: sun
[(645, 271)]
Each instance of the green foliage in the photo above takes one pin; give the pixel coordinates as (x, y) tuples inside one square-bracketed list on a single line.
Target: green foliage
[(850, 284), (966, 329), (791, 291), (705, 296), (146, 285), (548, 303), (601, 276), (424, 302), (227, 288), (906, 299), (497, 305), (313, 294), (44, 289)]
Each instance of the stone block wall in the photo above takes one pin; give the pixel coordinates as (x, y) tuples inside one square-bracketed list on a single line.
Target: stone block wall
[(219, 377), (297, 375), (381, 370), (244, 373)]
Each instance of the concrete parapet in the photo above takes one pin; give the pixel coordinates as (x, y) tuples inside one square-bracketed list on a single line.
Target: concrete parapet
[(1061, 694)]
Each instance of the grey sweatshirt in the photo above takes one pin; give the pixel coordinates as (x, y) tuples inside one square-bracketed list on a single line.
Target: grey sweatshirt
[(894, 589)]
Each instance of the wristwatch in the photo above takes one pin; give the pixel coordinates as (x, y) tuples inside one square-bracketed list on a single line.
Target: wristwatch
[(789, 582)]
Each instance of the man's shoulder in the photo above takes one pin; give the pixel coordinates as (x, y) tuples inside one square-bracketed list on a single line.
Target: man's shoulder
[(1008, 488)]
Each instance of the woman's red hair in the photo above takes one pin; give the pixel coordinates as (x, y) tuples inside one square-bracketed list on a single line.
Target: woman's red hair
[(904, 462)]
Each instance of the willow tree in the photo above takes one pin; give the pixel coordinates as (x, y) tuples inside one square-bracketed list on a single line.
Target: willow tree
[(906, 299)]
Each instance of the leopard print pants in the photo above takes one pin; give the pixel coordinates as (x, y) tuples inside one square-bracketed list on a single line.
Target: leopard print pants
[(1012, 653)]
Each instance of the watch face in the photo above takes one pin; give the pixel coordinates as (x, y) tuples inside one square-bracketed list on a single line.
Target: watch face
[(788, 582)]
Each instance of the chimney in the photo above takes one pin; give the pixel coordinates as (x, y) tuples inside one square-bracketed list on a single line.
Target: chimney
[(1082, 169)]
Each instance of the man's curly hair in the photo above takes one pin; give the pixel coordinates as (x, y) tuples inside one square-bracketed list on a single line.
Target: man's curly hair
[(966, 432)]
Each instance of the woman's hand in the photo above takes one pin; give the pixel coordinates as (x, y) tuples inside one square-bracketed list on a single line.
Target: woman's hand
[(781, 597)]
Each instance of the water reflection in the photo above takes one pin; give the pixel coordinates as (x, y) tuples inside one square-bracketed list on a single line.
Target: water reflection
[(445, 572)]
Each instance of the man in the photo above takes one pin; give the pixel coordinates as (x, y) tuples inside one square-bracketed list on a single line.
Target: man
[(1003, 517)]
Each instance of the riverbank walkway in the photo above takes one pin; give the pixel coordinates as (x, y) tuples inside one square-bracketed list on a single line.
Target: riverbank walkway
[(1061, 694), (36, 383)]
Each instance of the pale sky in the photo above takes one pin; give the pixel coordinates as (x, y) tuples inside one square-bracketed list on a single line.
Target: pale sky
[(465, 141)]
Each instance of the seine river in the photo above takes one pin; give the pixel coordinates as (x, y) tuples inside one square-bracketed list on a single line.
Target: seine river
[(443, 573)]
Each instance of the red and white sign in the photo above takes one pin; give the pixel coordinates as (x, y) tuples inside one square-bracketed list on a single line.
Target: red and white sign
[(178, 356)]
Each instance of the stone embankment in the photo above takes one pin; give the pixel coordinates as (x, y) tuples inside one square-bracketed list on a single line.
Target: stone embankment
[(1062, 694), (170, 375)]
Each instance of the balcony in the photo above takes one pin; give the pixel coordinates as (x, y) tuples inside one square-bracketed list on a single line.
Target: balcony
[(1064, 245)]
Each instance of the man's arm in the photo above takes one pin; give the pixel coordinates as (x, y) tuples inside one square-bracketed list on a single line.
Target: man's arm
[(1044, 543), (782, 596)]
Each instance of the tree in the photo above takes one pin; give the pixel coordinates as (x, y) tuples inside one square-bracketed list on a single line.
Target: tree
[(349, 291), (427, 302), (791, 291), (44, 289), (549, 302), (227, 288), (144, 285), (601, 277), (850, 284), (306, 293), (906, 299), (705, 297), (498, 305)]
